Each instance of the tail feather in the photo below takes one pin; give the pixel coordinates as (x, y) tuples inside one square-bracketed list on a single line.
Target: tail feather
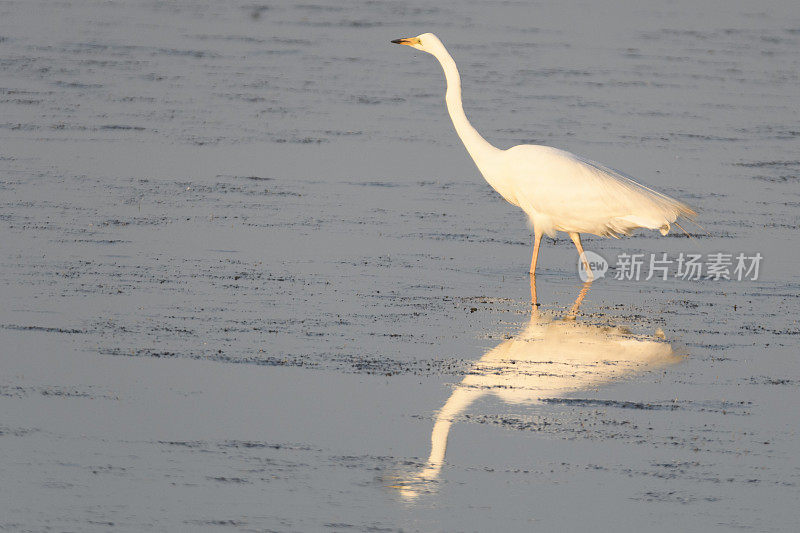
[(650, 209)]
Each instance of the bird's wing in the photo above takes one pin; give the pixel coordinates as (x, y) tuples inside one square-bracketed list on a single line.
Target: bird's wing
[(575, 194)]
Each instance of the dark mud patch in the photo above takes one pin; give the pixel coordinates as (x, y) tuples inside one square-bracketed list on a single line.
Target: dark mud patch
[(45, 329), (18, 391), (733, 408)]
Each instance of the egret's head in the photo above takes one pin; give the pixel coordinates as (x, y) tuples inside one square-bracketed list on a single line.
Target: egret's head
[(427, 42)]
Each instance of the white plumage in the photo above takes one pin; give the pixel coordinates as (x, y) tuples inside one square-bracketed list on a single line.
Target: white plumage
[(584, 197), (558, 190)]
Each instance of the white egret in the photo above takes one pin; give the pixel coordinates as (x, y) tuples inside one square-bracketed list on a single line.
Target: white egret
[(558, 190)]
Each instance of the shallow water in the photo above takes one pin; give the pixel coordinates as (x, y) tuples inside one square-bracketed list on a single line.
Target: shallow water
[(246, 262)]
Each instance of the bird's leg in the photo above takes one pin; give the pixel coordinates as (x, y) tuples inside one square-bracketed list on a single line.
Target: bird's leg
[(576, 238), (573, 312), (537, 239)]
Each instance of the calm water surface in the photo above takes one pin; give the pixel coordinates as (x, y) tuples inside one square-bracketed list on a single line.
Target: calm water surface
[(252, 281)]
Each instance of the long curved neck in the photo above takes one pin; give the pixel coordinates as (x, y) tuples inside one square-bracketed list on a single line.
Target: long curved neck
[(478, 147)]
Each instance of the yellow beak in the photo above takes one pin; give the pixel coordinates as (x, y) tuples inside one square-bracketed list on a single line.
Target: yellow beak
[(410, 41)]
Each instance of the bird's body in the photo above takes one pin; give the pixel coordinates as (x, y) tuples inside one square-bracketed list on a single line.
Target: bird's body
[(559, 191)]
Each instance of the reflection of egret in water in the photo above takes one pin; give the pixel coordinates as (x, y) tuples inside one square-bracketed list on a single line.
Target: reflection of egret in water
[(548, 359)]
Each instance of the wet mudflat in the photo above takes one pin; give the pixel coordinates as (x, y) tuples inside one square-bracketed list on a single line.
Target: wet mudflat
[(251, 281)]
